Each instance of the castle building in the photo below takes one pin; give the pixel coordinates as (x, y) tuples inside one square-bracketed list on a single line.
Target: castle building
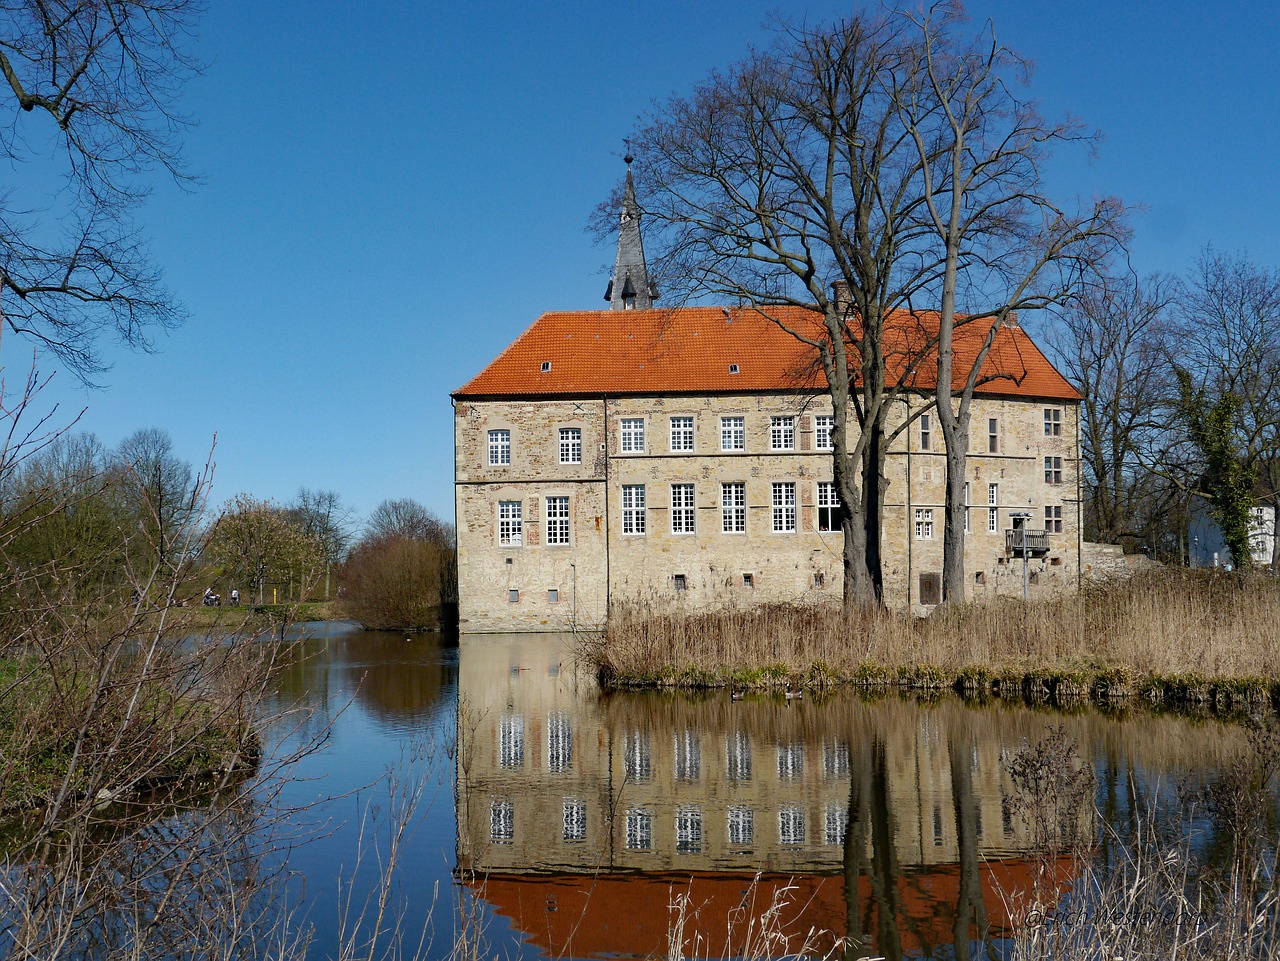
[(650, 455)]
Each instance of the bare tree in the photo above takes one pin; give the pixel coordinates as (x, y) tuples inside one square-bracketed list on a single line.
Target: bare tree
[(322, 516), (97, 84), (158, 488), (784, 175), (1112, 341), (1005, 246)]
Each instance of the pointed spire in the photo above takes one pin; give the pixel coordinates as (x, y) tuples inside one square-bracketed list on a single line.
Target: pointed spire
[(630, 288)]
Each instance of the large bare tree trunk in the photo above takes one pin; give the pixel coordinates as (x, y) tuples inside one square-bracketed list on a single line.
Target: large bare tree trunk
[(953, 536)]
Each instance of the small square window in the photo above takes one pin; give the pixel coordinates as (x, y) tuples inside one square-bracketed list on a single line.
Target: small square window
[(819, 579), (733, 368), (546, 366), (680, 582), (553, 595), (513, 597), (980, 577), (748, 580)]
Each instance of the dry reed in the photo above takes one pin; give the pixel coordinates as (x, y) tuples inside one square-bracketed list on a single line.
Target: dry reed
[(1180, 634)]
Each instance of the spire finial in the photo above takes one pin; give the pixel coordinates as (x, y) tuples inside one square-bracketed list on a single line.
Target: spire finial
[(628, 158)]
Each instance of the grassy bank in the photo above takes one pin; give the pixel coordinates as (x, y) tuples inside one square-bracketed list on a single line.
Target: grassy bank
[(1172, 635)]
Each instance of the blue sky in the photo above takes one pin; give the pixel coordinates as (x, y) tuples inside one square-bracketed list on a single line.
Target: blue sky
[(393, 191)]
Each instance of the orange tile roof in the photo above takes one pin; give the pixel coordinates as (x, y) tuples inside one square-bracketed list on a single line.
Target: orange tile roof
[(690, 350)]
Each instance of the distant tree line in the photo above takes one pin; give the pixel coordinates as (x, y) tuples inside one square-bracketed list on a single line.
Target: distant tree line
[(91, 524)]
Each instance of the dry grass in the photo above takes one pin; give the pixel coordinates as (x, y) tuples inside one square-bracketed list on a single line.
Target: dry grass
[(1178, 634)]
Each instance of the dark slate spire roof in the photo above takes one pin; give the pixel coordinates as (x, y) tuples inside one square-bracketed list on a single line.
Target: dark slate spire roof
[(630, 287)]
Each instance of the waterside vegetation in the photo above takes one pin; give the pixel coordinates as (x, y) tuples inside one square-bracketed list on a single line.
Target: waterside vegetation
[(1170, 636)]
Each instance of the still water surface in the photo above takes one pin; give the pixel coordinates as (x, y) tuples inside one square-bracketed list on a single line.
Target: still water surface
[(567, 819)]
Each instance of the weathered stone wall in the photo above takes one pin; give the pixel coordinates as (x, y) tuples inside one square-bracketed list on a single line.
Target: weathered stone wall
[(707, 566)]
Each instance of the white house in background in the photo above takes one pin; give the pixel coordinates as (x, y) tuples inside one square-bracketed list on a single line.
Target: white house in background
[(1209, 548)]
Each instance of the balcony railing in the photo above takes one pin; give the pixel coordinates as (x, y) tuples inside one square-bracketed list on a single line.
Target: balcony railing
[(1021, 542)]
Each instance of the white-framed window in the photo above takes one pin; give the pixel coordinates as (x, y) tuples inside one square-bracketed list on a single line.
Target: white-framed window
[(742, 824), (737, 754), (993, 512), (511, 741), (828, 507), (639, 829), (926, 432), (681, 433), (784, 507), (733, 433), (966, 507), (782, 433), (790, 761), (837, 818), (558, 520), (638, 763), (632, 435), (791, 824), (688, 829), (733, 507), (688, 754), (502, 821), (1053, 519), (510, 524), (835, 760), (571, 445), (823, 425), (575, 820), (559, 742), (924, 523), (1052, 422), (1053, 470), (633, 509), (499, 447), (683, 513), (993, 435)]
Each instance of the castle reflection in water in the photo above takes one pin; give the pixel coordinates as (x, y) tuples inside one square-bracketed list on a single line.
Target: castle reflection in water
[(580, 813)]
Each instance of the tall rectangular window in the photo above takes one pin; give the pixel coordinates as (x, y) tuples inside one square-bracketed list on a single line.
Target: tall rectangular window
[(632, 435), (993, 512), (683, 513), (784, 507), (571, 445), (733, 507), (823, 425), (926, 432), (558, 520), (737, 756), (1053, 519), (559, 742), (924, 523), (511, 740), (828, 507), (791, 824), (733, 433), (993, 435), (742, 824), (1053, 470), (1052, 422), (510, 524), (681, 433), (638, 764), (835, 759), (633, 508), (575, 820), (499, 447), (639, 830), (790, 761), (837, 818), (689, 829), (502, 821), (688, 755), (782, 433)]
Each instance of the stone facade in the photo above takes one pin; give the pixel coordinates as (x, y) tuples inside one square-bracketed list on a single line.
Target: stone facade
[(567, 506)]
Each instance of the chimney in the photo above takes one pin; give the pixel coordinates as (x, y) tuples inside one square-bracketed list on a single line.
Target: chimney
[(840, 295)]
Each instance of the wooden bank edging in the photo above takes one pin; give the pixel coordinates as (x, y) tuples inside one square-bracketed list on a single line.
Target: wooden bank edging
[(1107, 687)]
